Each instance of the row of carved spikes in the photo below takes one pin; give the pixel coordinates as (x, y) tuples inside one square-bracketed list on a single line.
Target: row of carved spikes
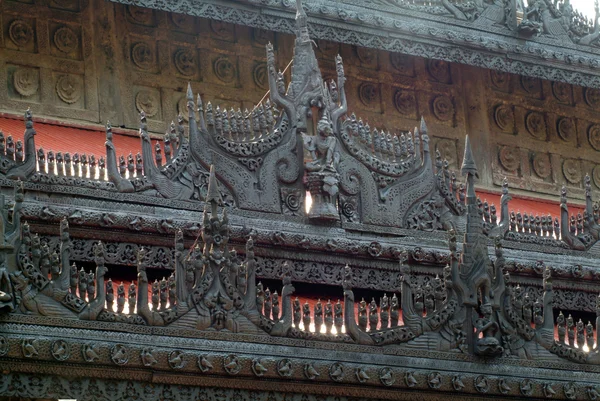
[(540, 226), (385, 146), (568, 330), (131, 168), (9, 149), (170, 144), (242, 127), (65, 165)]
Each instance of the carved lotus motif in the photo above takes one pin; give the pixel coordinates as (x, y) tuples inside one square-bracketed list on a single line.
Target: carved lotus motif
[(68, 89), (572, 171), (26, 81), (224, 69), (509, 158), (536, 125), (66, 40), (20, 32), (185, 62), (566, 129), (443, 108)]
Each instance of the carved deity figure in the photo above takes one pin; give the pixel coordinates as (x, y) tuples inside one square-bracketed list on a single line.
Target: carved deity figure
[(120, 297), (395, 311), (561, 327), (488, 345), (318, 316), (338, 320), (297, 312), (373, 315), (385, 311), (362, 314), (321, 147), (132, 297), (328, 316), (110, 295), (306, 316)]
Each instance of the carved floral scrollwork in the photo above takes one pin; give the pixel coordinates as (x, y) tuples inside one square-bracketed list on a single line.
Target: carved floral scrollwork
[(562, 92), (572, 171), (20, 32), (142, 55), (66, 40), (592, 97), (541, 165), (509, 158), (536, 125), (594, 136), (60, 350), (368, 93), (405, 102), (147, 102), (402, 63), (68, 89), (439, 70), (596, 175), (500, 80), (566, 129), (259, 74), (224, 69), (26, 81), (505, 118), (185, 62), (443, 108)]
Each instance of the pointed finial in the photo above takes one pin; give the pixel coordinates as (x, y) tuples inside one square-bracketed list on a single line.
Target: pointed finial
[(468, 164), (212, 193), (190, 94)]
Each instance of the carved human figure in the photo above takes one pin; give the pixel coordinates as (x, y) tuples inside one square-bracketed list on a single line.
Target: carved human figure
[(362, 315), (164, 293), (318, 316), (91, 286), (338, 316), (155, 295), (275, 306), (82, 282), (120, 297), (321, 147), (306, 316), (260, 297), (384, 313), (268, 306), (72, 279), (488, 345), (172, 290), (328, 316), (571, 330), (580, 334), (561, 327), (373, 315), (110, 295), (394, 311), (297, 312), (132, 299)]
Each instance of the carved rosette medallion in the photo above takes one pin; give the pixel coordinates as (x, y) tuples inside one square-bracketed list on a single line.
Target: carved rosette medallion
[(439, 70), (592, 97), (566, 129), (368, 93), (562, 92), (366, 55), (596, 175), (140, 15), (292, 201), (222, 29), (500, 80), (259, 74), (68, 89), (60, 350), (402, 63), (447, 149), (572, 171), (336, 372), (536, 126), (530, 85), (349, 208), (231, 364), (119, 354), (176, 359), (20, 32), (185, 62), (142, 56), (509, 158), (26, 81), (443, 108), (405, 102), (65, 39), (284, 368), (4, 345), (224, 69), (594, 137), (147, 102), (541, 165), (505, 118)]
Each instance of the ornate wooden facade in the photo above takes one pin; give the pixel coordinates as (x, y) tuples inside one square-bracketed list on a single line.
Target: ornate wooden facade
[(297, 168)]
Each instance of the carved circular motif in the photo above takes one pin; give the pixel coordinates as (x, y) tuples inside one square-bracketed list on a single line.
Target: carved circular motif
[(259, 74), (224, 69), (222, 29), (66, 40), (336, 372), (404, 102), (293, 201), (386, 377), (572, 171), (368, 93), (185, 62), (119, 354), (592, 97), (482, 384), (499, 79), (231, 364), (147, 357), (530, 84), (566, 129), (349, 209), (20, 32), (526, 387), (504, 118), (541, 165), (141, 15), (284, 368), (434, 380), (310, 372), (503, 386), (562, 92), (328, 48), (26, 81), (4, 345), (535, 124), (147, 102), (594, 136), (60, 350), (375, 249), (509, 158), (596, 175), (176, 359), (457, 383), (443, 108), (142, 56), (366, 55), (182, 20), (68, 89), (402, 63), (440, 70)]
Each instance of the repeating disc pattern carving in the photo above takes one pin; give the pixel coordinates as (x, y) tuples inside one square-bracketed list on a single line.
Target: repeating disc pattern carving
[(65, 40), (366, 55), (224, 69), (60, 350), (368, 93), (185, 62), (592, 97), (26, 81), (259, 74), (596, 175), (530, 85), (562, 92), (443, 108), (500, 80), (402, 63), (536, 126), (405, 102), (20, 32), (509, 158), (447, 149), (147, 102), (572, 171), (504, 118), (594, 136), (140, 15), (328, 48), (541, 165), (68, 89), (439, 70), (222, 29), (142, 56), (566, 129), (182, 20)]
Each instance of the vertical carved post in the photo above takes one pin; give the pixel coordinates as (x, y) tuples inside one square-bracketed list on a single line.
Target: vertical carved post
[(60, 170), (297, 312), (76, 161), (41, 155), (561, 327), (82, 282), (73, 279), (84, 166), (571, 330), (260, 298), (275, 306), (395, 311), (139, 165), (132, 299), (338, 317), (130, 165), (91, 286), (164, 294), (384, 312), (362, 315), (306, 316), (318, 313), (268, 304), (120, 297), (328, 319), (94, 169), (110, 295)]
